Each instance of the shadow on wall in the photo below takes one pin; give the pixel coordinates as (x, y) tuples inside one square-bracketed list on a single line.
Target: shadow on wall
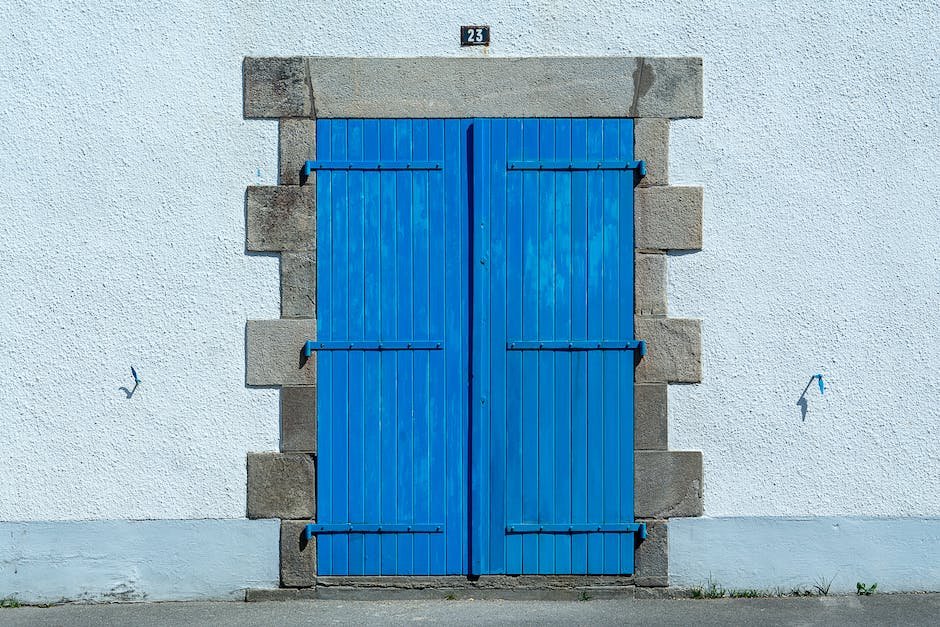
[(802, 402)]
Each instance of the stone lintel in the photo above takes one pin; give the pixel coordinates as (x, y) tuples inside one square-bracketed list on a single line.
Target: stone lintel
[(451, 87)]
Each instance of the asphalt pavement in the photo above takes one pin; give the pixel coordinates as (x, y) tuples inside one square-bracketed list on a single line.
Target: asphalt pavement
[(883, 609)]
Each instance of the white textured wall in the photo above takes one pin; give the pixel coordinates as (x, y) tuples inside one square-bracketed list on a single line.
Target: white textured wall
[(125, 160)]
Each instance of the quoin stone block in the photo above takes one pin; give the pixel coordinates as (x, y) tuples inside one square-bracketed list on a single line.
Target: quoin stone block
[(299, 419), (667, 484), (651, 144), (668, 218), (667, 88), (275, 352), (298, 555), (296, 144), (673, 350), (276, 88), (298, 285), (281, 485), (650, 423), (652, 555), (281, 218), (649, 284)]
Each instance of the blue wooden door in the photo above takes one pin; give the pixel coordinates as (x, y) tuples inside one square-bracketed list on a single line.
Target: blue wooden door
[(392, 359), (553, 350), (475, 327)]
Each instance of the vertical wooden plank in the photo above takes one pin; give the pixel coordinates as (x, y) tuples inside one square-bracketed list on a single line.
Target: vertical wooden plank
[(546, 330), (595, 329), (355, 211), (339, 327), (530, 359), (372, 361), (438, 417), (561, 454), (420, 322), (626, 362), (497, 376), (514, 325), (579, 452), (465, 221), (405, 359), (389, 327), (611, 398), (479, 427), (455, 304), (324, 360)]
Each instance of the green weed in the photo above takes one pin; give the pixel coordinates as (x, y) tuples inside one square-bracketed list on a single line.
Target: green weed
[(863, 590)]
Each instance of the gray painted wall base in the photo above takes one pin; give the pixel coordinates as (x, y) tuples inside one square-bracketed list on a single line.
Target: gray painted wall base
[(126, 560), (900, 554)]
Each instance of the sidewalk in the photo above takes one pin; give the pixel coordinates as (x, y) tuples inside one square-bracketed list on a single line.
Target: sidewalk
[(885, 609)]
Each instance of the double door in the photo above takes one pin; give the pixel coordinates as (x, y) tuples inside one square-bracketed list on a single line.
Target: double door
[(475, 346)]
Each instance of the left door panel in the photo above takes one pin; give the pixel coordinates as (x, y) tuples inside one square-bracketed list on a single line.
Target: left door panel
[(392, 347)]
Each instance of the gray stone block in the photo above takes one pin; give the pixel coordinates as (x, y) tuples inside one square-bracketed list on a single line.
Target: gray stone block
[(673, 350), (298, 285), (652, 556), (298, 419), (668, 218), (281, 218), (297, 143), (276, 88), (298, 555), (667, 484), (649, 284), (650, 417), (499, 87), (281, 485), (667, 88), (275, 352), (651, 144)]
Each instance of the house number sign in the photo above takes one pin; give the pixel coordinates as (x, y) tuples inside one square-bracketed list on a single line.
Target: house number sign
[(474, 35)]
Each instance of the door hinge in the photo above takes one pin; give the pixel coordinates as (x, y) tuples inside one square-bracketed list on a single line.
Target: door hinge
[(639, 528), (315, 529), (310, 166), (311, 345), (586, 345), (639, 167)]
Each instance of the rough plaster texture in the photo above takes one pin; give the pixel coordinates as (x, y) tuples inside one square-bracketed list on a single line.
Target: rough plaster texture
[(900, 554), (118, 561), (122, 209)]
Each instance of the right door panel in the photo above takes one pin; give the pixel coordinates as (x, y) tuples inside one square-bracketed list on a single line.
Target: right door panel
[(553, 458)]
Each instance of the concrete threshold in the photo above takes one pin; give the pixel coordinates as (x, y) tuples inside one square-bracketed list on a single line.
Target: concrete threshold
[(518, 588)]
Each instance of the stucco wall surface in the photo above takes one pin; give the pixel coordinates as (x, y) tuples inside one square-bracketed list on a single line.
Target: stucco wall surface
[(122, 205)]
